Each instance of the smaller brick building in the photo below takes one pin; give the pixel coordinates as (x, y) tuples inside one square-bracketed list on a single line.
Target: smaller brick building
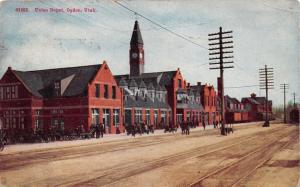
[(256, 107), (62, 98)]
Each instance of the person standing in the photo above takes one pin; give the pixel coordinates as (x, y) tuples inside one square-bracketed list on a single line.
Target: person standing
[(97, 129), (133, 130), (101, 129)]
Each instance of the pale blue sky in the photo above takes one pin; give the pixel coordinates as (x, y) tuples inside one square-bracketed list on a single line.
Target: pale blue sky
[(265, 32)]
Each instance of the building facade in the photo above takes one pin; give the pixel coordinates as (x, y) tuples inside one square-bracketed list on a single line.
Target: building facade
[(178, 103), (63, 98), (256, 107)]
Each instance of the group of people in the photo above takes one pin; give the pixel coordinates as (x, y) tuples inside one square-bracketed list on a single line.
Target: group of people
[(170, 128), (139, 128), (185, 128), (97, 129)]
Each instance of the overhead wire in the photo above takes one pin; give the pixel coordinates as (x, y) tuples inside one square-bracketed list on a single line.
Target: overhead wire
[(159, 25)]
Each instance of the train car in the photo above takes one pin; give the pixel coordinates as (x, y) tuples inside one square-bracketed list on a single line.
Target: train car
[(294, 115)]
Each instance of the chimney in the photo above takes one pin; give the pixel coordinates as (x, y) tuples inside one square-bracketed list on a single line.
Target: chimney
[(198, 83)]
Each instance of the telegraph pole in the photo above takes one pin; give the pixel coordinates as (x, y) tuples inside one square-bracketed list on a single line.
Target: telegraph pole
[(294, 96), (284, 87), (219, 40), (266, 77)]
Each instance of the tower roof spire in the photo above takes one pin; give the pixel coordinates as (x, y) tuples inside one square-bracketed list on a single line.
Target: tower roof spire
[(136, 37)]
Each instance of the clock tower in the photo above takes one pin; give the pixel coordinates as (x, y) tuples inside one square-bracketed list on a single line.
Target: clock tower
[(136, 52)]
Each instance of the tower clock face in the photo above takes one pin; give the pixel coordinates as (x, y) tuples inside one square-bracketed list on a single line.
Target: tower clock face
[(134, 55)]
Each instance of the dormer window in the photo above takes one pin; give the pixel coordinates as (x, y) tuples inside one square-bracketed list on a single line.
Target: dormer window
[(57, 88), (56, 85)]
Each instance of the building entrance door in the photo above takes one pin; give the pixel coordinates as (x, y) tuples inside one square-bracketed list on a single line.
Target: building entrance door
[(128, 121), (178, 118)]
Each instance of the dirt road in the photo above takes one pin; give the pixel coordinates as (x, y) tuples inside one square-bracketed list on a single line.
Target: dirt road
[(252, 156)]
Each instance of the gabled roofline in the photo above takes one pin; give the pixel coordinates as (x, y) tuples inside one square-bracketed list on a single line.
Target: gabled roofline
[(23, 83), (101, 66)]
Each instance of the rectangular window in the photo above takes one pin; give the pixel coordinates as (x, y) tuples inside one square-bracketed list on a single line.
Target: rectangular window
[(148, 117), (179, 118), (106, 117), (116, 117), (97, 90), (36, 124), (155, 117), (188, 116), (22, 123), (106, 91), (12, 92), (6, 126), (38, 112), (14, 123), (138, 116), (114, 92), (179, 83), (163, 117), (95, 116), (16, 92), (8, 92), (54, 124), (62, 125)]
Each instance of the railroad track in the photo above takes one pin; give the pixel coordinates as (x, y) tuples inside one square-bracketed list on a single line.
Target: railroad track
[(115, 174), (233, 174), (16, 160)]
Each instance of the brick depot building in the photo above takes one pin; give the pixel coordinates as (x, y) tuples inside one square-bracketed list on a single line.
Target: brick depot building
[(163, 97), (61, 98), (66, 98)]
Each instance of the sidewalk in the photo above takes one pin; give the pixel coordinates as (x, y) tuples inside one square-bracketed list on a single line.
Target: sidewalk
[(107, 138)]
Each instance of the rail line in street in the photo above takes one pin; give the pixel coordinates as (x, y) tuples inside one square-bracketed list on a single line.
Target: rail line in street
[(116, 174), (10, 161), (232, 174)]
